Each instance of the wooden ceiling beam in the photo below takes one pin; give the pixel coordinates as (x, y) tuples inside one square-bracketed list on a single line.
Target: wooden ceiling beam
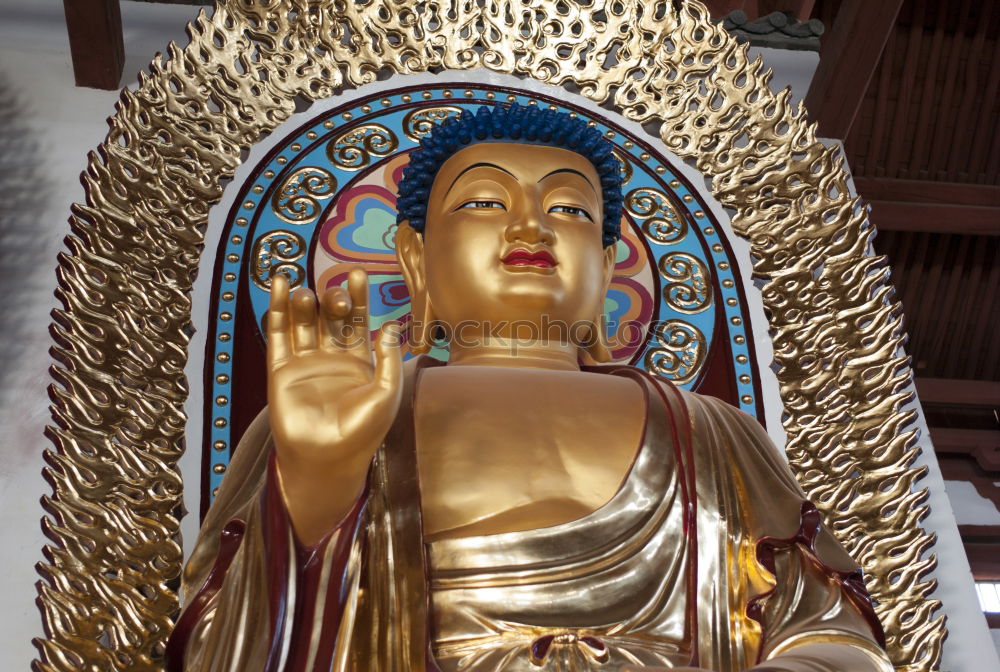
[(95, 42), (847, 63), (935, 218), (958, 392), (924, 191)]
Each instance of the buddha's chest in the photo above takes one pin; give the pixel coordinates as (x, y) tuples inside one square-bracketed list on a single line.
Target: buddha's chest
[(502, 450)]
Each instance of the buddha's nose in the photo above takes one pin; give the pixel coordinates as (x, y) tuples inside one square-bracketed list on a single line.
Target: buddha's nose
[(528, 225)]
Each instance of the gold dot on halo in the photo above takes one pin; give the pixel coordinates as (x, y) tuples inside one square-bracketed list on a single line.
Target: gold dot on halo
[(709, 231), (737, 321), (628, 144), (406, 97), (511, 98), (221, 400), (225, 317), (219, 468), (644, 156), (731, 301), (447, 93), (746, 399), (312, 135), (698, 214), (660, 170), (282, 160), (228, 296), (257, 189), (687, 198), (232, 257), (328, 123), (723, 265), (223, 357), (215, 492), (295, 147), (592, 124), (249, 205), (490, 95), (222, 379), (229, 277), (739, 340), (220, 422), (426, 94), (674, 183), (236, 240), (742, 359), (224, 336), (269, 174), (347, 116), (242, 221), (573, 115), (366, 108), (553, 108), (386, 102), (609, 134), (717, 248), (727, 283), (744, 378), (468, 93), (219, 445)]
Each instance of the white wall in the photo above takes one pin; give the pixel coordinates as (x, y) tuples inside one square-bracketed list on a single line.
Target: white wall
[(47, 126)]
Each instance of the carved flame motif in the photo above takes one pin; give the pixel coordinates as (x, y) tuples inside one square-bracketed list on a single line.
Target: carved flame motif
[(118, 409), (688, 289), (661, 221), (297, 200), (277, 252), (679, 352), (354, 149)]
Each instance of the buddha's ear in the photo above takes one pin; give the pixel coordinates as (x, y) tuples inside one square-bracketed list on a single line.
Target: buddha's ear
[(410, 255), (597, 346)]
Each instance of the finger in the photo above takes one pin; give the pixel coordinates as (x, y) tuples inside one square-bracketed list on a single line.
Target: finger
[(279, 346), (378, 400), (357, 319), (336, 306), (389, 358), (304, 337)]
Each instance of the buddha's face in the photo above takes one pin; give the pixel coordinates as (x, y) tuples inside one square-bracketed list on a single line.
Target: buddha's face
[(513, 233)]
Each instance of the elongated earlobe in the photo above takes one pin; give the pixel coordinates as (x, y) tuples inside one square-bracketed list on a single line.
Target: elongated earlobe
[(410, 255), (597, 343)]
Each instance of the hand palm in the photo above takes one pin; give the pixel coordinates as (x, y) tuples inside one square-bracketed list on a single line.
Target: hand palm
[(326, 396)]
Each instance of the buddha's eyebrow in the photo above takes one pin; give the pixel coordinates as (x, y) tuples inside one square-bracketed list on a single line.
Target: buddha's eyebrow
[(569, 170), (479, 165)]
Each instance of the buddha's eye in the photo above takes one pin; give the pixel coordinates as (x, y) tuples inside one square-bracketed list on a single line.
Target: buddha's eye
[(571, 210), (483, 204)]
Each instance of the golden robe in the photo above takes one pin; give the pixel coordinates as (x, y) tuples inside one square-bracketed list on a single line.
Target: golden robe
[(708, 555)]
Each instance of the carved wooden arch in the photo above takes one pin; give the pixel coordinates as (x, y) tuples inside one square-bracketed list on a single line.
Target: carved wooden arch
[(108, 595)]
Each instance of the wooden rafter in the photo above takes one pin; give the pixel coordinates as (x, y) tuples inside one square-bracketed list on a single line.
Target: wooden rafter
[(847, 63), (96, 42)]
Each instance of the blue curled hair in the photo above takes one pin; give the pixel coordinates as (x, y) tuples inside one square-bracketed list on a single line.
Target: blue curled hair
[(530, 125)]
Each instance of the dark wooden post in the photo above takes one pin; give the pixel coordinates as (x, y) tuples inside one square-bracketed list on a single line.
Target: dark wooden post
[(95, 42), (847, 63)]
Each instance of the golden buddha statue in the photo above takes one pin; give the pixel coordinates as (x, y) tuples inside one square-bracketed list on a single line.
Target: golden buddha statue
[(520, 508)]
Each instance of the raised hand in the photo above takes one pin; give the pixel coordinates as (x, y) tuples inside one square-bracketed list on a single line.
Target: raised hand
[(330, 404)]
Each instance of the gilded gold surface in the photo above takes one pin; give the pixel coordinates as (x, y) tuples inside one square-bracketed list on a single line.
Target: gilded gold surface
[(678, 351), (278, 252), (298, 199), (123, 331), (355, 149)]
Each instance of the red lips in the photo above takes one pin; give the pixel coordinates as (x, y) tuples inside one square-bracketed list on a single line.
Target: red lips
[(541, 259)]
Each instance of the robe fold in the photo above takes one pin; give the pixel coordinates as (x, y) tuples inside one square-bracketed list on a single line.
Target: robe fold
[(708, 555)]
